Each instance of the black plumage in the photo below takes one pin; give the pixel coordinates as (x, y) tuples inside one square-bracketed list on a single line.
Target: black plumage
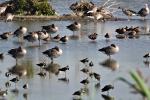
[(107, 88)]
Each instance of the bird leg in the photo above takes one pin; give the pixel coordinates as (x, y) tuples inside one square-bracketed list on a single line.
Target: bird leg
[(39, 43)]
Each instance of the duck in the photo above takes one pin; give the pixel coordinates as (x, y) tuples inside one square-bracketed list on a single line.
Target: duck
[(74, 27), (143, 12), (110, 50), (5, 35), (53, 52), (93, 36), (50, 28)]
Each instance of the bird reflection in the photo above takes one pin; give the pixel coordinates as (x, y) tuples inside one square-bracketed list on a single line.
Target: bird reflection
[(97, 86), (53, 68), (110, 63), (107, 97), (64, 79), (25, 96), (15, 91), (147, 63), (18, 70)]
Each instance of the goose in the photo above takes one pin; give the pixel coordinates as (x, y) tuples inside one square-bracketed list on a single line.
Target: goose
[(53, 52), (42, 35), (31, 37), (56, 38), (110, 50), (20, 32), (50, 28), (64, 39), (17, 52), (74, 27), (144, 11)]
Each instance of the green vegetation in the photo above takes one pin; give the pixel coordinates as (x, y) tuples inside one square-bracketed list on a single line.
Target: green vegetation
[(31, 7), (139, 85)]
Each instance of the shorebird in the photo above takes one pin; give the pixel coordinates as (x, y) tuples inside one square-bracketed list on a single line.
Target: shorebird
[(41, 65), (25, 86), (17, 52), (74, 27), (110, 50), (20, 32), (14, 80), (128, 12), (53, 52), (84, 61), (93, 36), (146, 56), (64, 39), (50, 28), (85, 81), (144, 11), (107, 88), (5, 35), (9, 17), (31, 37), (41, 74)]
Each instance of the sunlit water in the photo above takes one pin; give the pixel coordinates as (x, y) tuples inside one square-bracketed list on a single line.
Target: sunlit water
[(129, 57)]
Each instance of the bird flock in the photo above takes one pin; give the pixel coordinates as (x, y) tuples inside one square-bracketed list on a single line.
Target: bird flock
[(46, 34)]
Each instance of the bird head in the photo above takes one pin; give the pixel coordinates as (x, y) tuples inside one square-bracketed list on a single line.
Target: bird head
[(113, 45)]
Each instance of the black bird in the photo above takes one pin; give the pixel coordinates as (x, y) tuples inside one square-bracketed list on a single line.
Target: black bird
[(107, 97), (85, 60), (107, 36), (15, 80), (64, 69), (146, 56), (144, 11), (85, 81), (41, 65), (107, 88), (25, 86), (97, 76), (78, 93), (91, 64), (85, 70)]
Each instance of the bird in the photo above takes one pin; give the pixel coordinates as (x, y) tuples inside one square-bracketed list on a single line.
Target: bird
[(107, 36), (31, 37), (15, 80), (78, 93), (64, 69), (93, 36), (5, 35), (74, 27), (56, 38), (109, 50), (64, 39), (42, 35), (96, 75), (107, 97), (85, 70), (7, 74), (17, 52), (3, 9), (85, 81), (9, 17), (25, 86), (128, 12), (53, 52), (84, 61), (143, 12), (50, 28), (20, 32), (146, 56), (107, 88), (91, 64), (41, 65)]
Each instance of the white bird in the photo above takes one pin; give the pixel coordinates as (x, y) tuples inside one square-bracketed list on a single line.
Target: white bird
[(144, 11), (9, 17), (110, 50)]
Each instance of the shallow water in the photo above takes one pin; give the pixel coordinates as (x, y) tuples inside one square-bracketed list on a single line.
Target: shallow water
[(50, 88)]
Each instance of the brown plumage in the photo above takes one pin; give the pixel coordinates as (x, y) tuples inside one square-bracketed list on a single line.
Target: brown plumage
[(93, 36)]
